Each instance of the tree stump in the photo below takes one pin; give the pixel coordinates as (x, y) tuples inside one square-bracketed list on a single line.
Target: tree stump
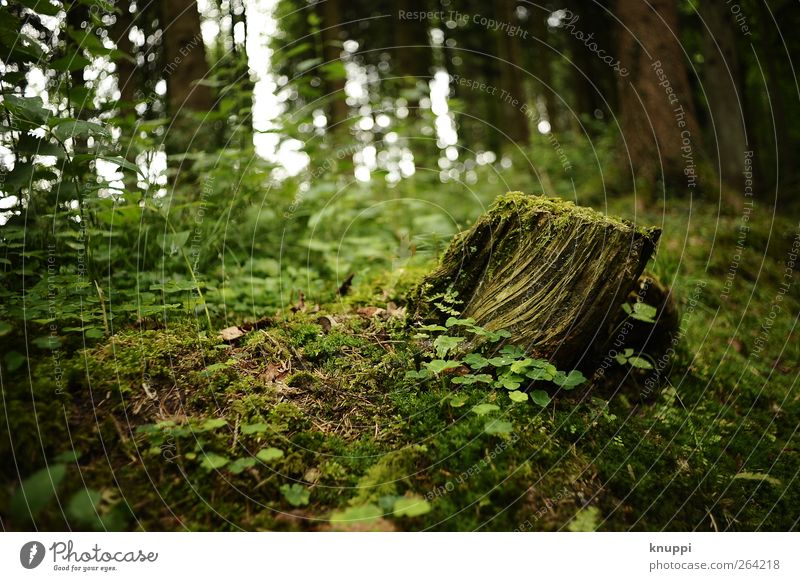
[(552, 273)]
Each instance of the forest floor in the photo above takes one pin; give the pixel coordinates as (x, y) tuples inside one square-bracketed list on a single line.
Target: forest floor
[(310, 422)]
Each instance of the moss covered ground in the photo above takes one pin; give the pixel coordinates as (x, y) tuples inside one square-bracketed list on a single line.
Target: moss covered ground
[(309, 421)]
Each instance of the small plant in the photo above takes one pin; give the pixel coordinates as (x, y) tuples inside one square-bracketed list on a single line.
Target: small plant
[(641, 312), (509, 368), (638, 361)]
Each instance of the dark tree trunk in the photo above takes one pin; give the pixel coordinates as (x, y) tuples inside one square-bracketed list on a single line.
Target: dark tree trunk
[(593, 81), (126, 67), (512, 95), (539, 60), (722, 84), (331, 11), (413, 55), (658, 115), (553, 274), (185, 58), (185, 65)]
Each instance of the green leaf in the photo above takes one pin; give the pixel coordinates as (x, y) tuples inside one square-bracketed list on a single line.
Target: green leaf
[(438, 365), (212, 424), (47, 342), (307, 64), (41, 7), (514, 351), (411, 506), (498, 427), (79, 128), (431, 328), (444, 344), (269, 454), (476, 361), (758, 477), (521, 365), (421, 374), (502, 361), (492, 336), (173, 242), (36, 491), (458, 401), (68, 457), (296, 494), (212, 461), (540, 397), (470, 379), (640, 362), (484, 408), (70, 63), (518, 396), (82, 506), (360, 513), (539, 374), (121, 162), (586, 520), (28, 108), (240, 465), (456, 322), (248, 429), (570, 380), (509, 381)]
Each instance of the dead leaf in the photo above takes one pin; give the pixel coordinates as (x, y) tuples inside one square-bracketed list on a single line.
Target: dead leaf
[(345, 286), (148, 392), (231, 334), (301, 303), (312, 475), (392, 310), (738, 346), (370, 312), (326, 322)]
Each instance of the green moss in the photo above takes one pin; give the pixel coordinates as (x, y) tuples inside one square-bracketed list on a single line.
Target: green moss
[(301, 379), (389, 476), (364, 431)]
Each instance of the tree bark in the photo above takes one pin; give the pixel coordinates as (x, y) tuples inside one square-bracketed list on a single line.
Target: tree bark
[(331, 53), (185, 56), (658, 115), (513, 96), (553, 274), (126, 67)]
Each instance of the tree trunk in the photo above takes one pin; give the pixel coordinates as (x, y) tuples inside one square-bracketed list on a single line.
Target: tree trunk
[(553, 274), (413, 53), (658, 115), (722, 87), (513, 96), (331, 53), (592, 81), (126, 67), (538, 61), (185, 57)]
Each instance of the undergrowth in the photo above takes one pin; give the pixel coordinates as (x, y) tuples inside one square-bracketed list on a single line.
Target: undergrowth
[(340, 416)]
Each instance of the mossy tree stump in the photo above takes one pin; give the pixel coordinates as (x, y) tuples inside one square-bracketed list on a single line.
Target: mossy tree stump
[(552, 273)]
